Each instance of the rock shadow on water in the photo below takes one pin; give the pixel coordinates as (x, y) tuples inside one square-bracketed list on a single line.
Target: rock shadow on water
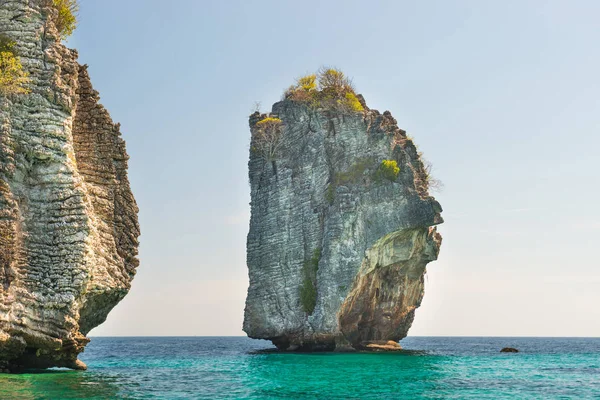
[(402, 352)]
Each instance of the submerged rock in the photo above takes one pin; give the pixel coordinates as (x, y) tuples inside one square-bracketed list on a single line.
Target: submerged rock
[(339, 238), (382, 345), (68, 220)]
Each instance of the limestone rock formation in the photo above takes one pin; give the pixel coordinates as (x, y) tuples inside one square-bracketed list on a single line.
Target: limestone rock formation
[(68, 220), (337, 248)]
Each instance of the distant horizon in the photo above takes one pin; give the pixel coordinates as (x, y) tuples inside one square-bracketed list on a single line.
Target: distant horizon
[(424, 336)]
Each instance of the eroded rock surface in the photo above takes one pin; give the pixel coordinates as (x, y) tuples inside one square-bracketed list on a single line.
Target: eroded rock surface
[(320, 204), (68, 220)]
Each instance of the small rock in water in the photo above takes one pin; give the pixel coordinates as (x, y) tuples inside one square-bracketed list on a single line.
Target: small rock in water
[(509, 350), (384, 345)]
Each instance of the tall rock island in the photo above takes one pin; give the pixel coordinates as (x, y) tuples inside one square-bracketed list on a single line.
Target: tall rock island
[(342, 223), (68, 220)]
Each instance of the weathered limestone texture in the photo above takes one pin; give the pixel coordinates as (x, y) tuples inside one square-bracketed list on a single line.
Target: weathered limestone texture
[(319, 203), (68, 220)]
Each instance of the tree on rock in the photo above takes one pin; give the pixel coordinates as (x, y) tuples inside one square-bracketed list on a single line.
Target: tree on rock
[(267, 139)]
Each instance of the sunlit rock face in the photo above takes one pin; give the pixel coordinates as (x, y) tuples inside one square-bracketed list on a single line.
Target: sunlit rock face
[(68, 220), (319, 203)]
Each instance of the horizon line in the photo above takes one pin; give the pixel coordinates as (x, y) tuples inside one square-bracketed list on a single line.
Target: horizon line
[(410, 336)]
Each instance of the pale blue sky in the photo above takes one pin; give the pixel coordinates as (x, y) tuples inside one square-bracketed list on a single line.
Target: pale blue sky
[(502, 97)]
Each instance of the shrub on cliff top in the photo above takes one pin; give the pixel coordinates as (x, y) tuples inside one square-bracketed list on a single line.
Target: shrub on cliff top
[(351, 101), (12, 77), (329, 88), (308, 82), (304, 91), (66, 22), (335, 81)]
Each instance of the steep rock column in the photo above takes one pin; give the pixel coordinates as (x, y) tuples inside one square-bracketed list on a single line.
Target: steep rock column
[(319, 208), (68, 221)]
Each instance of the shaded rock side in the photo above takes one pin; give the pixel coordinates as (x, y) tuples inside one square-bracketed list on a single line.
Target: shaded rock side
[(320, 203), (68, 220)]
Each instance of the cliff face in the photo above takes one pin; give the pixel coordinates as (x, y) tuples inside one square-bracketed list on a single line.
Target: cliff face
[(323, 216), (68, 220)]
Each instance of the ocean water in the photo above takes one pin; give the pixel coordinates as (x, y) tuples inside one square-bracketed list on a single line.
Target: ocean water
[(241, 368)]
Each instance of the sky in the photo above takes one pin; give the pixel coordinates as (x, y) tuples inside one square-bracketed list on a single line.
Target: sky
[(502, 97)]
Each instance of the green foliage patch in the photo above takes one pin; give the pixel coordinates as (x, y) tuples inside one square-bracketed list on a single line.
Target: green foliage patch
[(66, 22), (330, 193), (388, 169), (329, 88), (263, 123), (352, 176), (308, 82), (308, 288), (354, 173), (352, 102), (7, 44), (13, 79)]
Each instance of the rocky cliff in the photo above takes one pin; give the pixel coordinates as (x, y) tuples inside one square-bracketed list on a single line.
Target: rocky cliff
[(341, 226), (68, 220)]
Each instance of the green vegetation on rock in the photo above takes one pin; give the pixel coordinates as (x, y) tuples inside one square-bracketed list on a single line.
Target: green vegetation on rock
[(388, 169), (267, 137), (264, 123), (330, 193), (308, 288), (308, 82), (352, 102), (355, 172), (329, 88), (352, 176), (12, 77), (66, 22)]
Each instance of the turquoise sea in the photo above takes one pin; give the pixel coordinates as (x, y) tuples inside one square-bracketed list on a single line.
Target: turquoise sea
[(241, 368)]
